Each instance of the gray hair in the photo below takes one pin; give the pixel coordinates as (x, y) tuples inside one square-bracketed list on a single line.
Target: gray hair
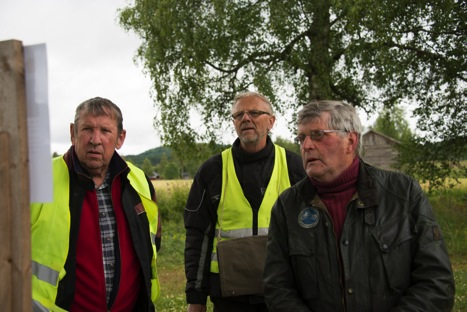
[(100, 107), (343, 116), (243, 95)]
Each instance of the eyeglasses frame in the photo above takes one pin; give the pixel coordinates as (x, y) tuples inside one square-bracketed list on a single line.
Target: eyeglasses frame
[(239, 115), (315, 135)]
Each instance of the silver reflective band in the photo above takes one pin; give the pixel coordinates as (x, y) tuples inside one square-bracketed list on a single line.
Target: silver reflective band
[(153, 238), (214, 256), (38, 307), (240, 233), (44, 273)]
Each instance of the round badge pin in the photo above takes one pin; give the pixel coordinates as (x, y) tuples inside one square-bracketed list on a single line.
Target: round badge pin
[(308, 217)]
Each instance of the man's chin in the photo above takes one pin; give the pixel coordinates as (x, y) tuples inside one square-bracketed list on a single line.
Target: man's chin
[(313, 170), (94, 164), (246, 139), (249, 136)]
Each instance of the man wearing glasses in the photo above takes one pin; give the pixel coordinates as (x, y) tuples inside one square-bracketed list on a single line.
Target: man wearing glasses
[(230, 200), (352, 237)]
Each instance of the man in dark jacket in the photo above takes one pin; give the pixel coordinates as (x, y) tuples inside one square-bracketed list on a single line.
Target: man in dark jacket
[(232, 196), (351, 237)]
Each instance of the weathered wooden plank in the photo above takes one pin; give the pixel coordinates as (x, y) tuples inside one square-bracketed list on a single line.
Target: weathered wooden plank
[(15, 233), (6, 297)]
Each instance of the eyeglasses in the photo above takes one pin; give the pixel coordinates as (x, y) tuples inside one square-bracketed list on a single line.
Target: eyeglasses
[(251, 113), (315, 135)]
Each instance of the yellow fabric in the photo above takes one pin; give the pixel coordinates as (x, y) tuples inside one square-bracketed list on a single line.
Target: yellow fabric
[(50, 223), (139, 183), (234, 213)]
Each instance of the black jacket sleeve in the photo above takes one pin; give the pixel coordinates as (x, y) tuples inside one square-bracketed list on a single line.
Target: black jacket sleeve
[(200, 217)]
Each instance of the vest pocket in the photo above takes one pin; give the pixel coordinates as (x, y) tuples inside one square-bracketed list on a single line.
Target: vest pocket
[(303, 260), (395, 241)]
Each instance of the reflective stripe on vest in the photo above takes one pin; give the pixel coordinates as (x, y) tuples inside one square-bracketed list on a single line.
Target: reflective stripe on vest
[(50, 223), (234, 212)]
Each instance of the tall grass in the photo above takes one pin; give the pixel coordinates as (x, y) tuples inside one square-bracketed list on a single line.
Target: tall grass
[(450, 206), (171, 198), (171, 269)]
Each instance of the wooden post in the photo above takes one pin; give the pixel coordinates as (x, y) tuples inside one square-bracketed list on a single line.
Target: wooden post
[(15, 224)]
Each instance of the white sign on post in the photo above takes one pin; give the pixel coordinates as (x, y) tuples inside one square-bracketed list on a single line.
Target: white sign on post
[(40, 157)]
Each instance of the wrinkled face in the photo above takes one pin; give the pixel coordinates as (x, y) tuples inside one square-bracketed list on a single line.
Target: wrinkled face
[(325, 159), (95, 139), (253, 125)]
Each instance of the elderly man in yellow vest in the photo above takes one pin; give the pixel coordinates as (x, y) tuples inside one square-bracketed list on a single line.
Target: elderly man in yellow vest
[(94, 247), (230, 202)]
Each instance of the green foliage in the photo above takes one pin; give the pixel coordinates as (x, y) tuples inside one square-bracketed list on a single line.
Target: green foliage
[(371, 54), (291, 146), (450, 208), (171, 200), (451, 211), (438, 164), (434, 163), (159, 159), (171, 269), (191, 156), (162, 164), (173, 241), (171, 171), (147, 167), (392, 123), (154, 155), (460, 276)]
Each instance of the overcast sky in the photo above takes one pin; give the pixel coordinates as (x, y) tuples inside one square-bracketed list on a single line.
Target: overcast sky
[(88, 55)]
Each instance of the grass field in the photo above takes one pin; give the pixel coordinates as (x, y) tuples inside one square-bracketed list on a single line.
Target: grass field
[(450, 207)]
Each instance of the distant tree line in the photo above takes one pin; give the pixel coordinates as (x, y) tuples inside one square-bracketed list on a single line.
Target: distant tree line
[(391, 122), (162, 162), (416, 158)]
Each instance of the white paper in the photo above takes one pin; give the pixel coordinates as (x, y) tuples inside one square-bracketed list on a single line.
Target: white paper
[(40, 157)]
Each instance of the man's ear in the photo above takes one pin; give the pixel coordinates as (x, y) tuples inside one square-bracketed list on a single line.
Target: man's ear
[(121, 139), (352, 142), (72, 132), (272, 121)]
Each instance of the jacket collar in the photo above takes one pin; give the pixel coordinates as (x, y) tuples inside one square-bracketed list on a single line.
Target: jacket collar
[(117, 166), (366, 188), (243, 157)]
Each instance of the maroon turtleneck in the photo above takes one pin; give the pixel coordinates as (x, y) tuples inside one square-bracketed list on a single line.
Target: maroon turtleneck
[(337, 194)]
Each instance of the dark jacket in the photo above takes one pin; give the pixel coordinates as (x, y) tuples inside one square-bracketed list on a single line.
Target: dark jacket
[(391, 255), (79, 183), (253, 172)]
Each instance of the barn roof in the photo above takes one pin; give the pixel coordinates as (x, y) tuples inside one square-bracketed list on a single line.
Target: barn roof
[(369, 131)]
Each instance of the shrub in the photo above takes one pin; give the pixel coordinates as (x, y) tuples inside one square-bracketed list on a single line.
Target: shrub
[(171, 198)]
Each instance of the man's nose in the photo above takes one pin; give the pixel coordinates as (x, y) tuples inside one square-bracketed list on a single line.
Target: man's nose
[(246, 117), (308, 142), (95, 138)]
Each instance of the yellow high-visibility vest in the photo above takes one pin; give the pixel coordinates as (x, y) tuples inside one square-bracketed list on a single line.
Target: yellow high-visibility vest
[(50, 229), (234, 213)]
